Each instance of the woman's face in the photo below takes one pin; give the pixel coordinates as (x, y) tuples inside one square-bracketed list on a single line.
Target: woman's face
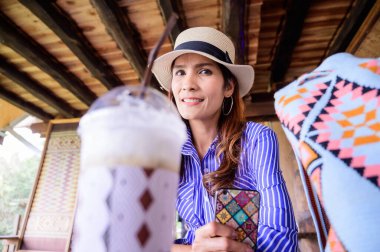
[(198, 87)]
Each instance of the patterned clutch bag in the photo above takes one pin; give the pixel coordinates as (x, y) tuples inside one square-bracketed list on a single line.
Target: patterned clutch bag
[(240, 210)]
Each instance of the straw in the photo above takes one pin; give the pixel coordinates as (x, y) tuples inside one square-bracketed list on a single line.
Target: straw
[(153, 53)]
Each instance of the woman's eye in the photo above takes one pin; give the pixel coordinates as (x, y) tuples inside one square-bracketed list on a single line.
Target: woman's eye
[(179, 72), (205, 71)]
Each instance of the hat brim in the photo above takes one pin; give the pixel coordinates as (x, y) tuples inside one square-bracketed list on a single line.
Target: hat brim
[(244, 74)]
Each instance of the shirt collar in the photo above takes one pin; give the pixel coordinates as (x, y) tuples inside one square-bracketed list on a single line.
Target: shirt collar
[(188, 147)]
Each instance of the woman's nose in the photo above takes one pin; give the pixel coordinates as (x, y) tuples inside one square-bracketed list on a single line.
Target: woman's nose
[(189, 82)]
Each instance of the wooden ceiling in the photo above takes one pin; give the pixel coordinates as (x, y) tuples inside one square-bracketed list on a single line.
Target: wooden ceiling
[(57, 57)]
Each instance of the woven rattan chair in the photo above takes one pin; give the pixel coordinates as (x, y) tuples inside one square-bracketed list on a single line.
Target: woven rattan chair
[(49, 216)]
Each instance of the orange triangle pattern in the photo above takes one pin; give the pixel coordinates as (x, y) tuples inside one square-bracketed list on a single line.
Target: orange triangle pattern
[(371, 65)]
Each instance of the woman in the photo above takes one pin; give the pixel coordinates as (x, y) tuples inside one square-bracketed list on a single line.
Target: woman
[(222, 150)]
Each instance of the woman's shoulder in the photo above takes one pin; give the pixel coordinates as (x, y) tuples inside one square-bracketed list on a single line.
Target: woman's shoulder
[(253, 128), (254, 131)]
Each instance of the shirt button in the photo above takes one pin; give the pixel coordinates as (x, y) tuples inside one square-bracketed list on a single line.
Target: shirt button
[(206, 170), (186, 226)]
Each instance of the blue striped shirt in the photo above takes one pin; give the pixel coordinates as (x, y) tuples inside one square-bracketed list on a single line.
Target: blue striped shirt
[(259, 170)]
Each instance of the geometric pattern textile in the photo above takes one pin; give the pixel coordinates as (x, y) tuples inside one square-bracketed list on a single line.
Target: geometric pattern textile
[(49, 222), (240, 210), (125, 208), (331, 117)]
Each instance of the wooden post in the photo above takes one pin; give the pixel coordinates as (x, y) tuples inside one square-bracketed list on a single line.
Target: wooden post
[(289, 167), (234, 25)]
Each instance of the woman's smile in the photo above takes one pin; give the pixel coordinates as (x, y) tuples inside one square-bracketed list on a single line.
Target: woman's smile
[(192, 101)]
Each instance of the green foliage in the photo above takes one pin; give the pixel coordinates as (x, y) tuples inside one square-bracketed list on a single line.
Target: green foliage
[(16, 181)]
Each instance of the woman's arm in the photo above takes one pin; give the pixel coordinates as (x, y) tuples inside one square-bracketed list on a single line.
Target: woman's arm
[(181, 248), (277, 229)]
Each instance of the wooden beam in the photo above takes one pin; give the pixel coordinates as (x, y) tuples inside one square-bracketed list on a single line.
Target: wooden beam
[(234, 24), (351, 25), (66, 28), (295, 17), (36, 89), (39, 128), (122, 31), (13, 37), (126, 37), (167, 7), (24, 105)]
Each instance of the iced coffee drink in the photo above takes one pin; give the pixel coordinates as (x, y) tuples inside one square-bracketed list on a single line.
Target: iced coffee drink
[(130, 161)]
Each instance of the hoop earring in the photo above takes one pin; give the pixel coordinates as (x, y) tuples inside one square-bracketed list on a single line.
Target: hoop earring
[(223, 106)]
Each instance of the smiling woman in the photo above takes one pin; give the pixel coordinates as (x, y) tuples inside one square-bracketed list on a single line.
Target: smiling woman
[(222, 150)]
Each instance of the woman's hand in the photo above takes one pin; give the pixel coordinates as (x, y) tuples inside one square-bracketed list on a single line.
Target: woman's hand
[(218, 237)]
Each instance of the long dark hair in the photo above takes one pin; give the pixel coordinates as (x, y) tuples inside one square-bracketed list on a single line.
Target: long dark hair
[(230, 129)]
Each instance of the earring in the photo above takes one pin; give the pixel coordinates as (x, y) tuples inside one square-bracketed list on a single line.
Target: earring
[(224, 109)]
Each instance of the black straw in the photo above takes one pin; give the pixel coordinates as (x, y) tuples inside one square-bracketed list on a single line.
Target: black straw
[(153, 53)]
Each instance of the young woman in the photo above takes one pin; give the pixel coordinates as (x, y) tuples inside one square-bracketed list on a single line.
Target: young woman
[(222, 149)]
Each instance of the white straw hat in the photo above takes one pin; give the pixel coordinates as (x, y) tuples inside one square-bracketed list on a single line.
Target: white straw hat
[(207, 42)]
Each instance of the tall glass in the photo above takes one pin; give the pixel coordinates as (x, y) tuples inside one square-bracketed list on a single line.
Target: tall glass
[(130, 158)]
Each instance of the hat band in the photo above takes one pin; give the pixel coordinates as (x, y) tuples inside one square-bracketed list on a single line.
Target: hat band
[(206, 48)]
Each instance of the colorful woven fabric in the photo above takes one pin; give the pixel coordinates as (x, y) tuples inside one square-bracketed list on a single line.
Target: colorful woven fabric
[(50, 219), (331, 117)]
